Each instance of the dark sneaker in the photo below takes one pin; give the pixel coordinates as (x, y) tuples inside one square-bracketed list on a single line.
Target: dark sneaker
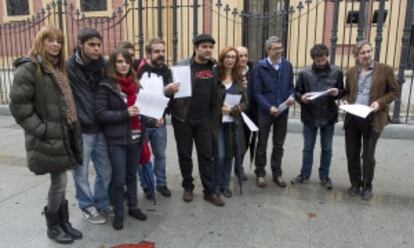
[(227, 193), (137, 214), (118, 223), (327, 183), (148, 194), (215, 200), (299, 180), (164, 191), (366, 194), (92, 215), (188, 196), (353, 191)]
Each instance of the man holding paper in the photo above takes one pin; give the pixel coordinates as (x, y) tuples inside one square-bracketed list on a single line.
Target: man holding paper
[(371, 84), (272, 88), (192, 119), (318, 111), (156, 77)]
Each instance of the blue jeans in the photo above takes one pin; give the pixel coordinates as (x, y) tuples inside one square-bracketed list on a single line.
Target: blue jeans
[(124, 160), (158, 141), (95, 150), (309, 138), (228, 147)]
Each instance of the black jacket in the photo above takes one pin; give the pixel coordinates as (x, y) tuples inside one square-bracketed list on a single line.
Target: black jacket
[(84, 89), (111, 112), (323, 110), (180, 106), (251, 110), (38, 106)]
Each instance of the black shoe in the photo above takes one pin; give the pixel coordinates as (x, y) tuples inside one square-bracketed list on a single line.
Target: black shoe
[(137, 214), (64, 218), (327, 183), (366, 194), (118, 223), (299, 180), (227, 193), (353, 191), (54, 228), (164, 191), (148, 194)]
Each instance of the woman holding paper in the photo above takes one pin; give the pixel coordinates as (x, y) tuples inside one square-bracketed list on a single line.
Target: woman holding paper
[(228, 128), (124, 129)]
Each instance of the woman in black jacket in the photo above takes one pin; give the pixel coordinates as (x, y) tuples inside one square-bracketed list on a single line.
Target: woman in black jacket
[(124, 131), (42, 104)]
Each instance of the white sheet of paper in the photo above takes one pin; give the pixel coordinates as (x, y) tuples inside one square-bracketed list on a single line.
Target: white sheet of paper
[(182, 75), (151, 104), (283, 106), (314, 95), (250, 124), (357, 109), (153, 83), (230, 100)]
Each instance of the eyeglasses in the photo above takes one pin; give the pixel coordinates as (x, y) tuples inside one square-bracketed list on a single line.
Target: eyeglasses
[(229, 57)]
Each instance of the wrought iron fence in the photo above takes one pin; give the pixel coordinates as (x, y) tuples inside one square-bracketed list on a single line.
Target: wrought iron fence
[(300, 24)]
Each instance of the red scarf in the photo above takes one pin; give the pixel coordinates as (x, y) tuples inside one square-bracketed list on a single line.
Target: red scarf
[(129, 87)]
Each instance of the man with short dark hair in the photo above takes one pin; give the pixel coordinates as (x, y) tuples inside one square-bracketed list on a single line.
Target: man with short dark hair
[(192, 117), (156, 68), (372, 84), (318, 114), (85, 71), (272, 86)]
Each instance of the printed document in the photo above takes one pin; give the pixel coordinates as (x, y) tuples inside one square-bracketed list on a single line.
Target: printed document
[(230, 100), (151, 104), (182, 75), (357, 109)]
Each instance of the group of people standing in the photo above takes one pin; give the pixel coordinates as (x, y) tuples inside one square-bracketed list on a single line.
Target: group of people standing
[(83, 111)]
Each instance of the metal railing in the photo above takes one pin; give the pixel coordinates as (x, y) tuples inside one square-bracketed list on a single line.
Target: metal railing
[(300, 24)]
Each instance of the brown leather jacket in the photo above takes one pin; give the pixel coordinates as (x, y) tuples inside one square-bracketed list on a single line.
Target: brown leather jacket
[(384, 90)]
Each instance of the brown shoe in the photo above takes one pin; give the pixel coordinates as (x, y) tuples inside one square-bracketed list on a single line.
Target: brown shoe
[(188, 196), (279, 182), (261, 182), (215, 200)]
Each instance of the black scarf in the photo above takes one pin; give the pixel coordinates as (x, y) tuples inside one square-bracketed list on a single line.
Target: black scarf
[(94, 71)]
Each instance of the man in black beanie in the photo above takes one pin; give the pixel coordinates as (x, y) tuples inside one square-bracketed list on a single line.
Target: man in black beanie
[(191, 119)]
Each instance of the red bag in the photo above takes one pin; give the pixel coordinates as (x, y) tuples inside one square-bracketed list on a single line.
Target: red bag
[(145, 153)]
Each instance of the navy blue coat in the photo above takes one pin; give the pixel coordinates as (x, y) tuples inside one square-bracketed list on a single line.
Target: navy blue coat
[(269, 89)]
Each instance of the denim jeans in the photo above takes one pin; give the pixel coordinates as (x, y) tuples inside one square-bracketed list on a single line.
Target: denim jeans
[(95, 150), (124, 160), (57, 191), (158, 141), (225, 154), (309, 138)]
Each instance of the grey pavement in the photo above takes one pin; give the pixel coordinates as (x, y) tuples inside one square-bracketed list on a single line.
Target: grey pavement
[(298, 216)]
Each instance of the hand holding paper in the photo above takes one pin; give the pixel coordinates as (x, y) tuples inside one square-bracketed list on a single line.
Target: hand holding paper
[(182, 75), (230, 101), (150, 104), (357, 109)]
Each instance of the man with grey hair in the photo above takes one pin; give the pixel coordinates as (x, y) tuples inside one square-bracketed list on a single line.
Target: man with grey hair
[(272, 86), (372, 84)]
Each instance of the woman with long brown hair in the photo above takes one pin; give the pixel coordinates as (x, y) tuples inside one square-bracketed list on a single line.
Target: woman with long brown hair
[(124, 130), (229, 135), (42, 104)]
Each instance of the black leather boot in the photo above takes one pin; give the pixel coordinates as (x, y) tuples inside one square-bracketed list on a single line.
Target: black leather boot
[(54, 228), (64, 218)]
